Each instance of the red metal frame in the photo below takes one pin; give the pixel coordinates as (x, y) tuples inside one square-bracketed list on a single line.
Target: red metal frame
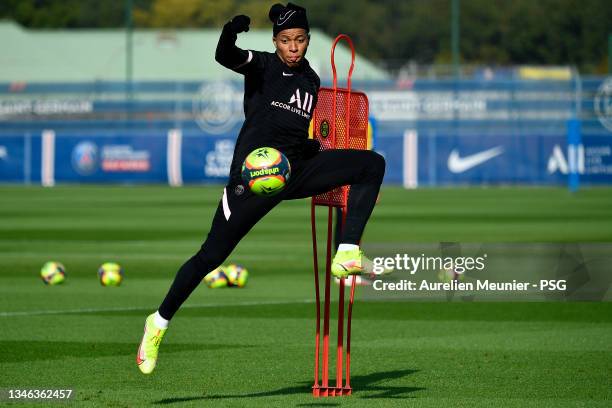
[(331, 200)]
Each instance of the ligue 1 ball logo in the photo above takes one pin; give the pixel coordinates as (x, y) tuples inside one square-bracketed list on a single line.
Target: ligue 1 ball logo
[(603, 104), (217, 107), (85, 158)]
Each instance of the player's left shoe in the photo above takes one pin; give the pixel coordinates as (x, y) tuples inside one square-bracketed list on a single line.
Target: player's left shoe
[(149, 346)]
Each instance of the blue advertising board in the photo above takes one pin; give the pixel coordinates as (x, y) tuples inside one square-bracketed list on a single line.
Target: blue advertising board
[(100, 158), (492, 159), (443, 159), (207, 159), (431, 132), (437, 158), (13, 158)]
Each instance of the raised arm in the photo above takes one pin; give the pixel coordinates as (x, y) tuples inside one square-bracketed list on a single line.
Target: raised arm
[(228, 54)]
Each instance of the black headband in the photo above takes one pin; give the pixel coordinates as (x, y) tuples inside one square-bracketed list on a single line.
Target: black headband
[(285, 17)]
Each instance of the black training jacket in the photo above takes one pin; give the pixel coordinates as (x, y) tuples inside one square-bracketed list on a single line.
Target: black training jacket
[(278, 101)]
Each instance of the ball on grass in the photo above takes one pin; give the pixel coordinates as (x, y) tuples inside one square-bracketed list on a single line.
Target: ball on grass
[(216, 278), (110, 274), (53, 273), (237, 275)]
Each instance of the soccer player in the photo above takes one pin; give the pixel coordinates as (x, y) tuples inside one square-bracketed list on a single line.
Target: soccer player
[(280, 94)]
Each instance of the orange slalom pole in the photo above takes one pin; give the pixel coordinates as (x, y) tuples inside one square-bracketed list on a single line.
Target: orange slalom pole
[(315, 387)]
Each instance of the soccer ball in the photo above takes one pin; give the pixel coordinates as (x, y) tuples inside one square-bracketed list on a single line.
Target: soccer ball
[(237, 275), (216, 278), (53, 273), (266, 171), (110, 274)]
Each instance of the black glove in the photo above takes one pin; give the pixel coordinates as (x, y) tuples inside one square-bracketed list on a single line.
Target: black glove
[(239, 24)]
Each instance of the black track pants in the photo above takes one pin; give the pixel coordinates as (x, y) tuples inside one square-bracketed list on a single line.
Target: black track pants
[(239, 210)]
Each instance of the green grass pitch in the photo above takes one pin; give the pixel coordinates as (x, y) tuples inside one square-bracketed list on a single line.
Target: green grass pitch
[(254, 346)]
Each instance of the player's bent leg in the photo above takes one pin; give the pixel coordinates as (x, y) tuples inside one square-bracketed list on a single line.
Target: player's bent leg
[(363, 170), (362, 198)]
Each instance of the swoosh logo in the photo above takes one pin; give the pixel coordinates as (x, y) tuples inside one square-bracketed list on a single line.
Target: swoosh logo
[(282, 19), (285, 74), (139, 359), (457, 164)]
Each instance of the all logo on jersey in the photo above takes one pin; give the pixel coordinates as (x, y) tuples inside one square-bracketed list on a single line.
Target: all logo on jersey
[(300, 103), (305, 103)]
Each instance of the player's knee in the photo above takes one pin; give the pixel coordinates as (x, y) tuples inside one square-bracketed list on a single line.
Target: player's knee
[(377, 165)]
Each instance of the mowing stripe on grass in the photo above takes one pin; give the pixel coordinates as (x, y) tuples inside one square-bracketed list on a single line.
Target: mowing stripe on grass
[(129, 309), (146, 256)]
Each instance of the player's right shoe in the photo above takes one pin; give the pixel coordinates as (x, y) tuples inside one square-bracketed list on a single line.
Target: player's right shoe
[(354, 262), (347, 263), (149, 346)]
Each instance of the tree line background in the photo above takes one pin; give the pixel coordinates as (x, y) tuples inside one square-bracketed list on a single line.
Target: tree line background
[(492, 32)]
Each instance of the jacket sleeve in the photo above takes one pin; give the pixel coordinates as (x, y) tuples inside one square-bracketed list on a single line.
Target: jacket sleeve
[(234, 58)]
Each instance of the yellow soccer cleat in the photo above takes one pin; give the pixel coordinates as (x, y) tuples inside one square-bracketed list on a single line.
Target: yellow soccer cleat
[(149, 346), (354, 262), (347, 263)]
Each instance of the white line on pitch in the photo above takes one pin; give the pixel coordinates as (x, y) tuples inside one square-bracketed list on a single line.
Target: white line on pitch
[(128, 309)]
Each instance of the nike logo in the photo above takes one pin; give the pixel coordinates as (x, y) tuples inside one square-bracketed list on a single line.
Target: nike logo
[(282, 19), (285, 74), (139, 359), (458, 164)]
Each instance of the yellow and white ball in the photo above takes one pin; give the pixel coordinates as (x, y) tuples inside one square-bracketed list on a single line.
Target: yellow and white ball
[(110, 274), (53, 273), (237, 275), (216, 278)]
